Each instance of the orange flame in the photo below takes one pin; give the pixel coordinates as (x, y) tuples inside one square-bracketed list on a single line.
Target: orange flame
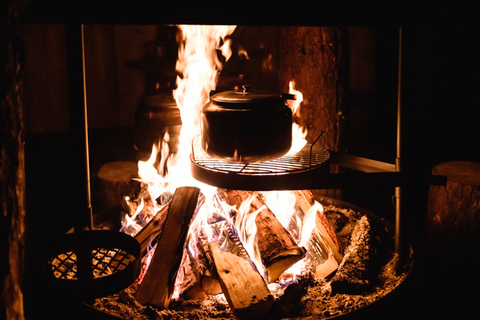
[(199, 67), (298, 133)]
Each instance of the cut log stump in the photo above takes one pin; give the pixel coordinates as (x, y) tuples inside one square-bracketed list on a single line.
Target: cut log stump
[(453, 223), (113, 182), (158, 284)]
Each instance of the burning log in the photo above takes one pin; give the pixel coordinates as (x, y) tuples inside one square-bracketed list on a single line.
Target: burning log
[(153, 228), (323, 248), (188, 283), (244, 288), (277, 247), (209, 277), (305, 200), (157, 286), (197, 278), (353, 273)]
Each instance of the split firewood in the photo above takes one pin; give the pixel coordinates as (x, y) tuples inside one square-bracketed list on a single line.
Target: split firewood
[(353, 273), (188, 283), (244, 288), (153, 228), (305, 200), (210, 282), (113, 182), (320, 256), (196, 279), (200, 258), (323, 251), (157, 286), (276, 245)]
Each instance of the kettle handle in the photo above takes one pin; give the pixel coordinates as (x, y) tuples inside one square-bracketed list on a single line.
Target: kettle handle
[(289, 96)]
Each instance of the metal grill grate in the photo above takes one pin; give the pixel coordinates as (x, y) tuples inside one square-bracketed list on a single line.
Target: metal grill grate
[(310, 157), (103, 262)]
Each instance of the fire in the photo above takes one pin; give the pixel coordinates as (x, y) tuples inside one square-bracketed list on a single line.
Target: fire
[(199, 67), (298, 133), (203, 50)]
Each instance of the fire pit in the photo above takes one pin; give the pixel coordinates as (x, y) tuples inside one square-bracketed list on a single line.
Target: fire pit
[(366, 274), (230, 249)]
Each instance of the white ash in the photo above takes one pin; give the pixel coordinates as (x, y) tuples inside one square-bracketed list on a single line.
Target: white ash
[(308, 299)]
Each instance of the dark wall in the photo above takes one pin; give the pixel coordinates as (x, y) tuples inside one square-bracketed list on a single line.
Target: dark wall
[(442, 99)]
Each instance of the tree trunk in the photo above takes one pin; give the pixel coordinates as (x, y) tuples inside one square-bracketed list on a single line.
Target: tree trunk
[(453, 223), (314, 58), (12, 170)]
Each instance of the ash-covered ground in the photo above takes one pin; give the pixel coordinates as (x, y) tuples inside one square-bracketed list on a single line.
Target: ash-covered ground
[(366, 275)]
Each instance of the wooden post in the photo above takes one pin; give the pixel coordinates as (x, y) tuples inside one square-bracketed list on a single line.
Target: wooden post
[(158, 284), (12, 169), (314, 58)]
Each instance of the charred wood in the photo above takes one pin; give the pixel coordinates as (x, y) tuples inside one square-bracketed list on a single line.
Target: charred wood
[(353, 272)]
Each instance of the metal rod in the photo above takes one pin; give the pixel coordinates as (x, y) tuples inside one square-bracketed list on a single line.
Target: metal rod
[(401, 247), (311, 148), (78, 125)]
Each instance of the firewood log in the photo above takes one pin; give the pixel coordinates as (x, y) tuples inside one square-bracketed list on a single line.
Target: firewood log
[(353, 274), (188, 282), (198, 281), (157, 286), (113, 182), (323, 250), (209, 276), (244, 288), (305, 200), (453, 220), (276, 245), (320, 256), (153, 228)]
